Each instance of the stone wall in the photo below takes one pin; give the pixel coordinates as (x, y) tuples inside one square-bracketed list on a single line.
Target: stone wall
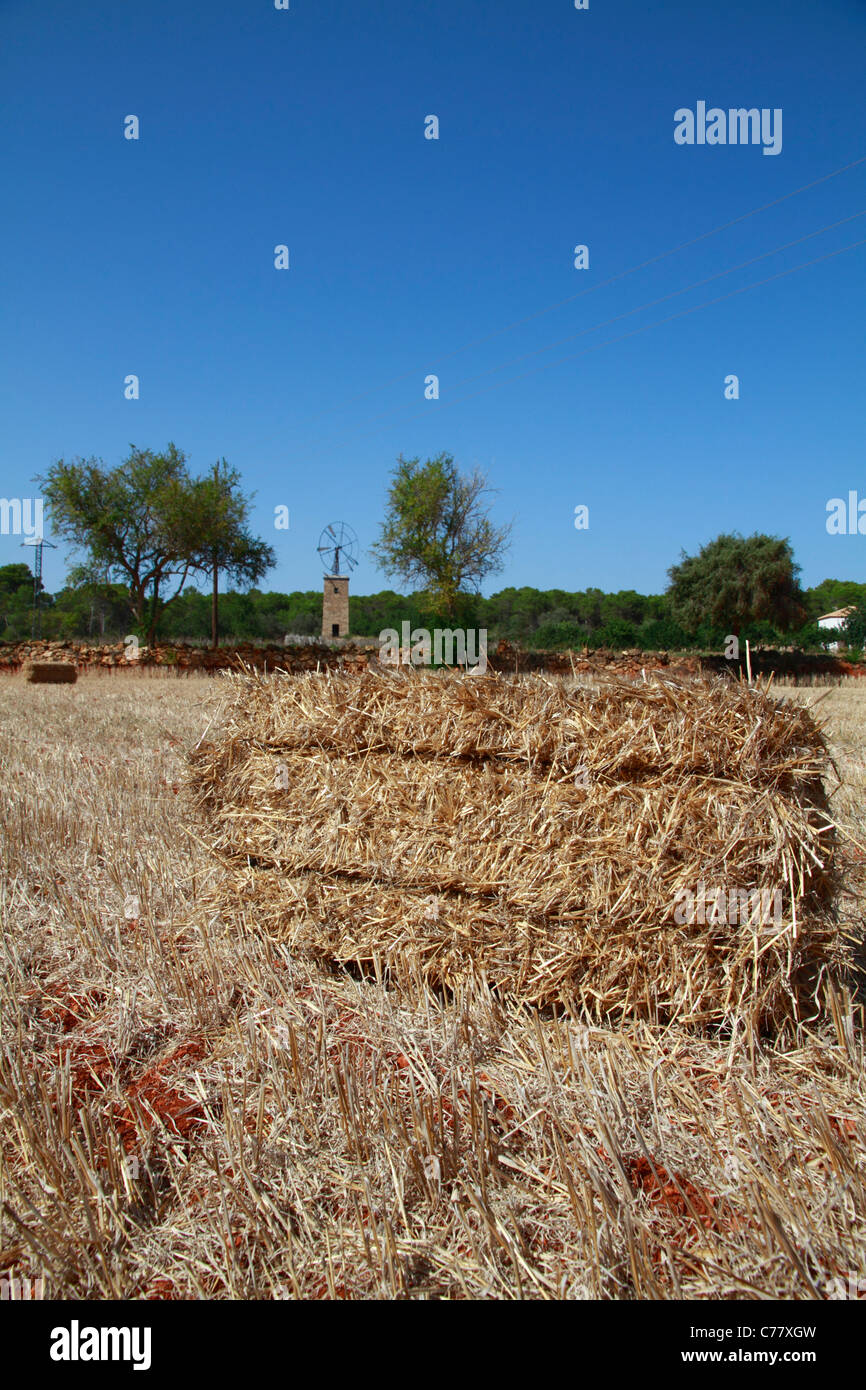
[(181, 657), (354, 655)]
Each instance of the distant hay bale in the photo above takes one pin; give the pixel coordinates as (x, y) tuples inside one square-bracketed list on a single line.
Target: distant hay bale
[(660, 850), (51, 673)]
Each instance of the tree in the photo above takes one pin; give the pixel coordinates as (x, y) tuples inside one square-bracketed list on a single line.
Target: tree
[(437, 534), (832, 594), (217, 520), (16, 584), (126, 520), (148, 524), (16, 599), (89, 608), (734, 581), (854, 628)]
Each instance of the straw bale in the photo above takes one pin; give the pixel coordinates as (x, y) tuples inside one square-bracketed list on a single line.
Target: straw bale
[(52, 673), (442, 827)]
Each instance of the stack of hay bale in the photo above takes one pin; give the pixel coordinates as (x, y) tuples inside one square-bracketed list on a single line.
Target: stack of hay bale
[(542, 838), (51, 673)]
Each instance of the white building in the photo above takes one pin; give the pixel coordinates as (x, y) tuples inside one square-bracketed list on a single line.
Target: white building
[(835, 620)]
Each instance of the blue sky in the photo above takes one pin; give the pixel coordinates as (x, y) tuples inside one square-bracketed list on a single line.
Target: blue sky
[(306, 127)]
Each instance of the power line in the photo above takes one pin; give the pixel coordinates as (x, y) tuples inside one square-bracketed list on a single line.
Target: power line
[(605, 323), (649, 304), (756, 284), (612, 279)]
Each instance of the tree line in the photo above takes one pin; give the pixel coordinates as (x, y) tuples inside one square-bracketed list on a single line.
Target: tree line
[(540, 618), (147, 534)]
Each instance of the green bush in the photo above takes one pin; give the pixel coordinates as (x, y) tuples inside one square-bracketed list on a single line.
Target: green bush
[(853, 632), (557, 636), (813, 638), (661, 634), (615, 633)]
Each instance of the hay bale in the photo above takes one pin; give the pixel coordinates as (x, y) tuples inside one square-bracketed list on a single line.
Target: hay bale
[(543, 838), (51, 672)]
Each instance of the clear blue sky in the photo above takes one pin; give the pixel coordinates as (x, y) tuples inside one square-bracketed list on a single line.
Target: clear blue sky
[(306, 127)]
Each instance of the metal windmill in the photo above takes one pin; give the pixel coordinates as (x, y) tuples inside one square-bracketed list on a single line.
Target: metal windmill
[(38, 546), (338, 543), (338, 551)]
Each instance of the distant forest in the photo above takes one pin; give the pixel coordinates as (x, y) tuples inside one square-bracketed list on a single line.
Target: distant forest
[(540, 618)]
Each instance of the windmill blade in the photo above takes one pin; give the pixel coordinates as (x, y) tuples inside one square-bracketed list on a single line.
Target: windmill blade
[(342, 552)]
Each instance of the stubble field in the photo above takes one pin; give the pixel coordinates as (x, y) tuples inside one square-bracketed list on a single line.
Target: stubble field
[(188, 1112)]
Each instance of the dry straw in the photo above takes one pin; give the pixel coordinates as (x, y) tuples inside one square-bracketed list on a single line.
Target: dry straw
[(511, 829), (51, 673)]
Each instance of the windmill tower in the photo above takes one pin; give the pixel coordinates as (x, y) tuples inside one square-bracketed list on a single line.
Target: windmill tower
[(338, 549)]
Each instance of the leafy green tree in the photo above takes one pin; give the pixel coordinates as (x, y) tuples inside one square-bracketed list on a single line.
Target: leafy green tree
[(128, 522), (272, 616), (89, 609), (216, 532), (555, 636), (588, 608), (832, 594), (148, 524), (734, 581), (661, 634), (615, 634), (625, 606), (437, 533), (300, 613), (812, 638), (514, 614), (16, 600), (14, 578), (853, 630), (370, 614)]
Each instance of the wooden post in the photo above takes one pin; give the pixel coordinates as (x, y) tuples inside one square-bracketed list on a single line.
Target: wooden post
[(214, 614)]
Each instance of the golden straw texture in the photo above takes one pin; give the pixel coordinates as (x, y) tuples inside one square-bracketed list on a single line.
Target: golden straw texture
[(546, 839)]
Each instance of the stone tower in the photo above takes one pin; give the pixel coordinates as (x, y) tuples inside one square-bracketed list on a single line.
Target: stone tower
[(338, 551), (335, 606)]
